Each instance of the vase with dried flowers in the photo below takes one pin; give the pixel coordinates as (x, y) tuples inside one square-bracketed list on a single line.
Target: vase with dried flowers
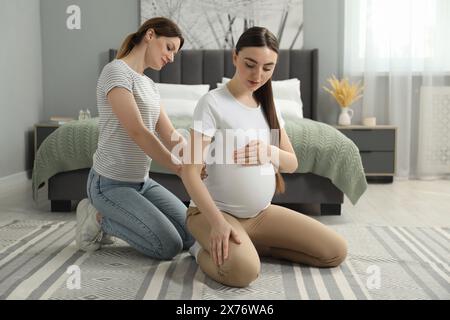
[(345, 93)]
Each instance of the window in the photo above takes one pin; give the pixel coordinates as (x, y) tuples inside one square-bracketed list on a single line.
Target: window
[(406, 34)]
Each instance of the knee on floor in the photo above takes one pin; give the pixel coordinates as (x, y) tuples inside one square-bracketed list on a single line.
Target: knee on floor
[(239, 270), (170, 248), (335, 255)]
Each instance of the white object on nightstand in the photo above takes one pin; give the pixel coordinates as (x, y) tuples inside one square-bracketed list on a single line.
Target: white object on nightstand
[(370, 121), (345, 117)]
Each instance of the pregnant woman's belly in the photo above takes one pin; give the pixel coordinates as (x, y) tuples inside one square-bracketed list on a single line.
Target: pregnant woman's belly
[(243, 191)]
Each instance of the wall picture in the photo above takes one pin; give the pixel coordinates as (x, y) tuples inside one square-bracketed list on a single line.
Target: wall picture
[(217, 24)]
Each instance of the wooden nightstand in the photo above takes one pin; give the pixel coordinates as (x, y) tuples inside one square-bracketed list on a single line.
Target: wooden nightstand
[(377, 147)]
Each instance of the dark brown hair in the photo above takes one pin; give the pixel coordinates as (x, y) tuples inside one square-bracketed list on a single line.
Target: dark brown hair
[(162, 27), (262, 37)]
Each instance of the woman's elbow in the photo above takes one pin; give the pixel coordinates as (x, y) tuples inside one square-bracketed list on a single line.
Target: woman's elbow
[(295, 166), (292, 170), (292, 167)]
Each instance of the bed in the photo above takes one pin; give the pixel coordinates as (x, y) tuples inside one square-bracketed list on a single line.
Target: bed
[(309, 192)]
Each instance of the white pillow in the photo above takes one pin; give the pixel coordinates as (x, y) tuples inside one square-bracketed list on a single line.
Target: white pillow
[(225, 80), (289, 109), (287, 90), (182, 91), (283, 89), (286, 95), (179, 107)]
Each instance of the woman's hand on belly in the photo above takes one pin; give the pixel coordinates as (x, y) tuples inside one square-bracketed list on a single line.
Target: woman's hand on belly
[(255, 153), (221, 233)]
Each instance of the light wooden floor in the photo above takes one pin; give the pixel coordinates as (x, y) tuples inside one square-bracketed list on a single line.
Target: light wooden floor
[(403, 203)]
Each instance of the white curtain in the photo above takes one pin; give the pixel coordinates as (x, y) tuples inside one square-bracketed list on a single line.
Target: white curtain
[(401, 51)]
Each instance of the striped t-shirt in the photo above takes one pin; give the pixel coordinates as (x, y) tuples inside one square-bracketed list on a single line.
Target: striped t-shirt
[(118, 157)]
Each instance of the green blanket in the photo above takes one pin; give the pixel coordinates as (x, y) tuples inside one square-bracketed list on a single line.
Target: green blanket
[(320, 149), (325, 151), (70, 147)]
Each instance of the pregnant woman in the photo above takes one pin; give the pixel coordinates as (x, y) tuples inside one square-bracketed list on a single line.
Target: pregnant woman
[(231, 215)]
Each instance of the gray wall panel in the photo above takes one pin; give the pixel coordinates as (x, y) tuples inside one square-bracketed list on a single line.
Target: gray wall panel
[(21, 100)]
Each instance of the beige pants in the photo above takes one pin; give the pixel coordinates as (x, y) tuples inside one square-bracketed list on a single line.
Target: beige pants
[(276, 232)]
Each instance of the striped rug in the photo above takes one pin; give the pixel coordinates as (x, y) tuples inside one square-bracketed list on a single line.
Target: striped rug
[(38, 260)]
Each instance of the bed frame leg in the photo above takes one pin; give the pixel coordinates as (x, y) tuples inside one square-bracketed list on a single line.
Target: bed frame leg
[(330, 209), (61, 205)]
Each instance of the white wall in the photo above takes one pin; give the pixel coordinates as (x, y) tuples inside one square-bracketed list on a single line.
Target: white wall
[(21, 97), (324, 29), (74, 58), (56, 73)]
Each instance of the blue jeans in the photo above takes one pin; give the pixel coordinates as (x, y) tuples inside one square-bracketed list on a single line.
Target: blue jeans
[(145, 215)]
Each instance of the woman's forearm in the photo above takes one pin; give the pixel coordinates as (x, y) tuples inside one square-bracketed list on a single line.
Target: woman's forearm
[(153, 147), (283, 160), (175, 143), (199, 193)]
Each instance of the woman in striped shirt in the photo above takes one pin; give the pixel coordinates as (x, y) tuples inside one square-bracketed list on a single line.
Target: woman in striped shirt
[(123, 201)]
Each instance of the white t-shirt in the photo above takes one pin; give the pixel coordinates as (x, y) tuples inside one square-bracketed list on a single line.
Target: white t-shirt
[(117, 156), (243, 191)]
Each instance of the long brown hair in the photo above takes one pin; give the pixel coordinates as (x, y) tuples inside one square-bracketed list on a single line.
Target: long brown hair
[(161, 26), (262, 37)]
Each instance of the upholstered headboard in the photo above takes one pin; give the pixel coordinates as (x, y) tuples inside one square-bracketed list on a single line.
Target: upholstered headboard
[(209, 66)]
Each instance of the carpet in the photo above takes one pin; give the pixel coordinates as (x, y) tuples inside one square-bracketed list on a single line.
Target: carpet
[(38, 260)]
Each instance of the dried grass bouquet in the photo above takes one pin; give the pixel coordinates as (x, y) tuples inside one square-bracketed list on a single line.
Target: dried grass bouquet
[(344, 92)]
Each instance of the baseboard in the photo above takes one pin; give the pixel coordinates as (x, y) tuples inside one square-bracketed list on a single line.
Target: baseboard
[(20, 177)]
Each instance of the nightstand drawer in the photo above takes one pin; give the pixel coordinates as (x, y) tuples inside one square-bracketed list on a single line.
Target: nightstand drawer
[(372, 139), (378, 162)]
